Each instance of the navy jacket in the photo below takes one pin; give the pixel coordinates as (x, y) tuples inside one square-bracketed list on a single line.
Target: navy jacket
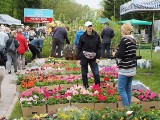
[(60, 33), (107, 34)]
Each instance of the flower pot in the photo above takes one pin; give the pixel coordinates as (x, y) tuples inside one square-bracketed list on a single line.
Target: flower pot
[(82, 105), (155, 105), (30, 111), (133, 100), (55, 107), (98, 106)]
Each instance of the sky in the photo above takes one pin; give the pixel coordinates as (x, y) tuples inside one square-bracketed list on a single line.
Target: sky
[(91, 3)]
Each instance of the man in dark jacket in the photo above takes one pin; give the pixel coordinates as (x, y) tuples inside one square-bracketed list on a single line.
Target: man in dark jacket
[(89, 51), (59, 37), (107, 34)]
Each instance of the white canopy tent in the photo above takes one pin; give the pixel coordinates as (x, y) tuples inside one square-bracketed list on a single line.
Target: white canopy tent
[(6, 19), (141, 6)]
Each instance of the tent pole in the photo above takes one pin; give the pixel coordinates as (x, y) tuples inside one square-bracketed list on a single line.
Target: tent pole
[(152, 42)]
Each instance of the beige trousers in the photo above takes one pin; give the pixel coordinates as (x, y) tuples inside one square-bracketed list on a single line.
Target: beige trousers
[(2, 72)]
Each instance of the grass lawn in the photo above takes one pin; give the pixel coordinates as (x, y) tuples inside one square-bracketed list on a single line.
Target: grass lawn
[(17, 111), (150, 78)]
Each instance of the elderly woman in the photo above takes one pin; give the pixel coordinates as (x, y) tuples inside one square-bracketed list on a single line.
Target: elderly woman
[(126, 61)]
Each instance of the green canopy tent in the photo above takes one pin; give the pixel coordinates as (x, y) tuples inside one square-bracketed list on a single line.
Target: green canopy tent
[(135, 22)]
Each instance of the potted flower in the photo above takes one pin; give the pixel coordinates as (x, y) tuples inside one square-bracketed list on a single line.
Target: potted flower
[(56, 99), (33, 101), (149, 100), (81, 97)]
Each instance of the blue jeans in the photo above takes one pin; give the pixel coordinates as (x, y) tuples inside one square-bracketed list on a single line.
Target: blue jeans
[(94, 69), (105, 46), (124, 89)]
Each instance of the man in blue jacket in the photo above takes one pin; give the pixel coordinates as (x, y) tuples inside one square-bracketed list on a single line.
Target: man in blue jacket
[(78, 35), (59, 37), (36, 46)]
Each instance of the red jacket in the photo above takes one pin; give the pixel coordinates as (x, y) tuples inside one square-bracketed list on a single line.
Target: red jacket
[(23, 47)]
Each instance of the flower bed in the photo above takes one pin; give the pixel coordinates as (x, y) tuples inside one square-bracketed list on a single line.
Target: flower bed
[(135, 112)]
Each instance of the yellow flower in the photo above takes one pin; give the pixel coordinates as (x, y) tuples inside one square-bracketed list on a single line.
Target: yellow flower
[(135, 118), (36, 116), (145, 119), (122, 118), (103, 117)]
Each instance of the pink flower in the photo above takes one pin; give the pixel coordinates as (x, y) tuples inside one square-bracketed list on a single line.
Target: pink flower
[(47, 95), (152, 96), (69, 98), (140, 96)]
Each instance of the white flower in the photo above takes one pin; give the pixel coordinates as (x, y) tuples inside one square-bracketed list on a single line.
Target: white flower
[(129, 112)]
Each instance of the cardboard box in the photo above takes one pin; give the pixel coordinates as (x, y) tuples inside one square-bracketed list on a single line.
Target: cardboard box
[(82, 105), (18, 88), (155, 105), (99, 106), (30, 111), (133, 100), (54, 108), (66, 86)]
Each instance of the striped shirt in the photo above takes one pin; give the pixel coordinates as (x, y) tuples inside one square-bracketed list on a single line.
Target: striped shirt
[(126, 52)]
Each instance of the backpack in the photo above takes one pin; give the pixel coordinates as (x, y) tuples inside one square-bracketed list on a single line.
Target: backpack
[(12, 47), (3, 55)]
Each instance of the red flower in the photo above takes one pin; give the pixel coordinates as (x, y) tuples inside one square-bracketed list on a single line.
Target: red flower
[(106, 79), (96, 87), (101, 97)]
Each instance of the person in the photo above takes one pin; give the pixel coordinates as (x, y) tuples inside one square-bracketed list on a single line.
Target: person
[(107, 34), (126, 55), (89, 52), (26, 33), (78, 35), (35, 45), (12, 55), (3, 58), (22, 49), (59, 37)]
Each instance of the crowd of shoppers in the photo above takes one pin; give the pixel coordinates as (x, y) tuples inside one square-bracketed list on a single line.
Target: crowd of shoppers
[(88, 43)]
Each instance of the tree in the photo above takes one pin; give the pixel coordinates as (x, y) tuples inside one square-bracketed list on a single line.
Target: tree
[(112, 7)]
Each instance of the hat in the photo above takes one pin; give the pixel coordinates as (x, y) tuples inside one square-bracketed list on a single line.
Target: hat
[(88, 23)]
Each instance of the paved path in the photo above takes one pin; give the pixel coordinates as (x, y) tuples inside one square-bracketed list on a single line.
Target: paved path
[(9, 95)]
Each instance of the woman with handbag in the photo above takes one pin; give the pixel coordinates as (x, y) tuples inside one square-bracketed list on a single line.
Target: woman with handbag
[(11, 47)]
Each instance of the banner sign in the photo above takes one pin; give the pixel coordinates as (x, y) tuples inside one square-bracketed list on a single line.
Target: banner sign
[(38, 15)]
